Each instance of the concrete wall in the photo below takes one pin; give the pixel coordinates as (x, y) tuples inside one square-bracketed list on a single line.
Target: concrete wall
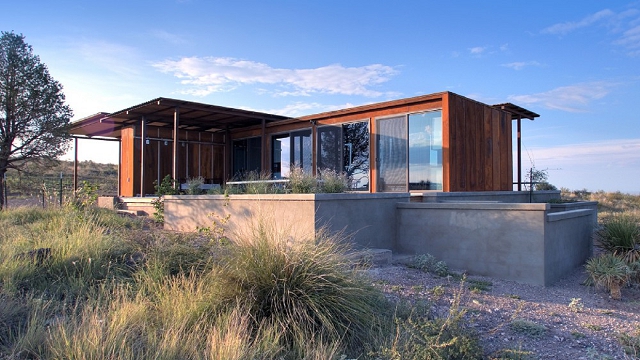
[(369, 219), (494, 196), (521, 242)]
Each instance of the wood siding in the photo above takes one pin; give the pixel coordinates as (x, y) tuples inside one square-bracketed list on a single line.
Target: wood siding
[(479, 156)]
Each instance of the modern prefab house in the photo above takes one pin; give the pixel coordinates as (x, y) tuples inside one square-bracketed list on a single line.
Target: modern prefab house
[(443, 142)]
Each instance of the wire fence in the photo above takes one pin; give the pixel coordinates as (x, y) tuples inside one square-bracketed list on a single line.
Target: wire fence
[(50, 191)]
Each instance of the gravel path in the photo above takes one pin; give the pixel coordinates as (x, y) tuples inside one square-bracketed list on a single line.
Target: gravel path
[(554, 327)]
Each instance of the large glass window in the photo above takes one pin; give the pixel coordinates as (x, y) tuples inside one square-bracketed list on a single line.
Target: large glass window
[(425, 151), (345, 149), (410, 152), (247, 156), (292, 149)]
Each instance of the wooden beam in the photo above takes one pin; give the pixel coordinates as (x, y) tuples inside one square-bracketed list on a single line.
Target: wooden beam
[(75, 164), (143, 136)]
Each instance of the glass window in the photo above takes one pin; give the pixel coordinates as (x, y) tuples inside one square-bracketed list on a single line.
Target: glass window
[(247, 156), (425, 151), (392, 154), (345, 149), (289, 150)]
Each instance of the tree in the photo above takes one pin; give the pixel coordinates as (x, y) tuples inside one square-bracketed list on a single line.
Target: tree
[(34, 119)]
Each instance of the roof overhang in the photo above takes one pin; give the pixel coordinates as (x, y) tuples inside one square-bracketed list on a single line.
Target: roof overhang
[(160, 112), (516, 111)]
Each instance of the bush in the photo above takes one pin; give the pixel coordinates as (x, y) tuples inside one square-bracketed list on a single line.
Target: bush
[(303, 287), (610, 272), (428, 263), (301, 182), (620, 236), (194, 186), (333, 182)]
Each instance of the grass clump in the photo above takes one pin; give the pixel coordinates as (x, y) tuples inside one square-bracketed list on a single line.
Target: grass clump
[(610, 272), (528, 328), (620, 236), (303, 287)]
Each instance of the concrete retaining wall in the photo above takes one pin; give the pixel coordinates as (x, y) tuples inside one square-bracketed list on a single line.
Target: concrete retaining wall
[(522, 242), (495, 196), (368, 218)]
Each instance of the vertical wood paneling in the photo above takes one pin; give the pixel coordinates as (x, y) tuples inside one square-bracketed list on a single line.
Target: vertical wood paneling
[(487, 140), (126, 162), (497, 148), (505, 161), (446, 143)]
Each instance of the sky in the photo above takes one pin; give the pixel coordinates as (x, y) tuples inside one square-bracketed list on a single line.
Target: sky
[(577, 64)]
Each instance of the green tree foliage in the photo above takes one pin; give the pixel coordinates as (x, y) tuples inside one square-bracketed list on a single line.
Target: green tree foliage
[(34, 118)]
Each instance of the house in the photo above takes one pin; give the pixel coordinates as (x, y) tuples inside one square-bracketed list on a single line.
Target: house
[(442, 141)]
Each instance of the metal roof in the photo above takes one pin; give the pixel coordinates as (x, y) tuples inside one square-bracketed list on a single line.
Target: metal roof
[(517, 111), (160, 112)]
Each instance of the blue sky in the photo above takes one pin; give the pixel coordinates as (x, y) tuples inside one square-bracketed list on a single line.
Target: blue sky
[(574, 63)]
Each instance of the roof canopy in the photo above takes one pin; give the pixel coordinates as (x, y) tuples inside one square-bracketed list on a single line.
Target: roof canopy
[(517, 111), (160, 112)]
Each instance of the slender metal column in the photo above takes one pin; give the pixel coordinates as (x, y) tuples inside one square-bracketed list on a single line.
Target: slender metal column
[(143, 140), (519, 153), (263, 148), (75, 164), (176, 124), (119, 166)]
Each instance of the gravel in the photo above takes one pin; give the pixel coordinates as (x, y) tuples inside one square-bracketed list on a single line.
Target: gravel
[(565, 321)]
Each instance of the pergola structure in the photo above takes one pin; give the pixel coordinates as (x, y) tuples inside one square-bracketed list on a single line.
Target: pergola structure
[(168, 117)]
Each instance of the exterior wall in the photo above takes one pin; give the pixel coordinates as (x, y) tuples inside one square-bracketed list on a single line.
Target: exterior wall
[(127, 174), (479, 142), (521, 242), (366, 219)]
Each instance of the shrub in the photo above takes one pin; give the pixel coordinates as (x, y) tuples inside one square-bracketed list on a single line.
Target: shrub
[(194, 186), (303, 287), (528, 328), (608, 271), (620, 236), (333, 182), (421, 337), (428, 263), (301, 182)]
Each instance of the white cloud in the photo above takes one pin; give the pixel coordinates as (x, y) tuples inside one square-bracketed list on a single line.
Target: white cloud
[(206, 75), (611, 165), (168, 37), (631, 40), (572, 98), (519, 65), (478, 50), (567, 27)]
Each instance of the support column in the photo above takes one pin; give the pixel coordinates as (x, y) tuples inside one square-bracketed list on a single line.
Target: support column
[(263, 148), (176, 138), (119, 166), (75, 164), (519, 139), (228, 153), (143, 140)]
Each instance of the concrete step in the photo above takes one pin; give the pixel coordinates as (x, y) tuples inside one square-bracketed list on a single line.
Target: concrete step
[(131, 212)]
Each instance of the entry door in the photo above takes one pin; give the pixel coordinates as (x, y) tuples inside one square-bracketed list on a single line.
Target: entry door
[(392, 154)]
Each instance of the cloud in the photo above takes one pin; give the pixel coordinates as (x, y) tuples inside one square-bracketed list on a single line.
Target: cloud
[(567, 27), (624, 25), (168, 37), (478, 50), (519, 65), (572, 98), (206, 75)]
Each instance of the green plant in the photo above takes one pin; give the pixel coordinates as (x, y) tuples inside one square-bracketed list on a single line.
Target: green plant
[(301, 182), (194, 186), (610, 272), (428, 263), (593, 327), (620, 236), (420, 337), (85, 196), (528, 328), (166, 187), (512, 354), (578, 335), (333, 182), (630, 343), (576, 305), (304, 287), (479, 285)]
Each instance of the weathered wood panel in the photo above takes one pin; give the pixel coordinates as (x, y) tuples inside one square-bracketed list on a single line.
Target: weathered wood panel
[(126, 162)]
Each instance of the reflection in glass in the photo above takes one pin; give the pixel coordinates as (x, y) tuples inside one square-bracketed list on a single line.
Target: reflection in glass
[(425, 151), (345, 149), (392, 154)]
